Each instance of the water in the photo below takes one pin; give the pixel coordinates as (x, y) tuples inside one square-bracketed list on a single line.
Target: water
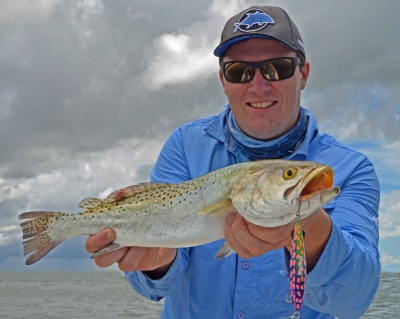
[(386, 302), (58, 295), (51, 295)]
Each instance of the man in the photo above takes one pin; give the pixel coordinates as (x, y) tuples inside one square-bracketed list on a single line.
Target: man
[(263, 71)]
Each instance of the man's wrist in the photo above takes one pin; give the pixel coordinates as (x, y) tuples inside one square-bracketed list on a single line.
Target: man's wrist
[(159, 272)]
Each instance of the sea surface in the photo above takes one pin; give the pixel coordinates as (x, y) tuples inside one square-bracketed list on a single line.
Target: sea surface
[(51, 295)]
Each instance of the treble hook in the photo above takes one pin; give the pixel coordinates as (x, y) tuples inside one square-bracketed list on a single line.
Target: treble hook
[(300, 202), (295, 315), (298, 199)]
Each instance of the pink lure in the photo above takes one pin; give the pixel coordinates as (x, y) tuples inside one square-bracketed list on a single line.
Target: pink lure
[(297, 267)]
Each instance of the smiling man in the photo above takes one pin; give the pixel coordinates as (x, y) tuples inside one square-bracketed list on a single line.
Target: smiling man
[(263, 69), (263, 109)]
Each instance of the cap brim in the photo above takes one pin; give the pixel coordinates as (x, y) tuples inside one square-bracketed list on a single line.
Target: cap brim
[(220, 50)]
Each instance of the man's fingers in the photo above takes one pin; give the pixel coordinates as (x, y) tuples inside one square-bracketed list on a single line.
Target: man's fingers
[(273, 235), (132, 259), (249, 240), (110, 258), (230, 236), (97, 242)]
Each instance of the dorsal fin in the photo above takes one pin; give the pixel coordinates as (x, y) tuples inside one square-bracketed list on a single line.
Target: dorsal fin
[(90, 202), (120, 194), (133, 190)]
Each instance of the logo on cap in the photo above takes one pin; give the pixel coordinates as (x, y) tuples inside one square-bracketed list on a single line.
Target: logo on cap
[(253, 20)]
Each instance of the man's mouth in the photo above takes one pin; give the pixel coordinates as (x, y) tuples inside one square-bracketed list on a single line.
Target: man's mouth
[(261, 105)]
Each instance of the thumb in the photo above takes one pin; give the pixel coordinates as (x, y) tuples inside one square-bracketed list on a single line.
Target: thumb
[(97, 242)]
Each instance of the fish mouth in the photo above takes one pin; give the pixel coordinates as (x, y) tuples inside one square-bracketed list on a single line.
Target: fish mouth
[(317, 181)]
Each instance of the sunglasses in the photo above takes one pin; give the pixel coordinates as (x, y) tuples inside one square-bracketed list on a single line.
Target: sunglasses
[(272, 70)]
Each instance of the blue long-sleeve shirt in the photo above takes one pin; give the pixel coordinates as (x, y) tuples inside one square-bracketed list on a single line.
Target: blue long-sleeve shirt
[(342, 283)]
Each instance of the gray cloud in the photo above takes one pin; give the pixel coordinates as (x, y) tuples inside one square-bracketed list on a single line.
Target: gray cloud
[(72, 80), (72, 83), (352, 41)]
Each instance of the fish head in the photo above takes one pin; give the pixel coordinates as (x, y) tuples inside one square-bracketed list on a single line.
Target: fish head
[(270, 194)]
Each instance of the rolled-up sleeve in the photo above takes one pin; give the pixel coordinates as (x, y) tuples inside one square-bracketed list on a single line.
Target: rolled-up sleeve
[(170, 168), (347, 272), (158, 289)]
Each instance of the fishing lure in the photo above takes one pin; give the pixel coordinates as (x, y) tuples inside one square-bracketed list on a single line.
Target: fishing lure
[(297, 267)]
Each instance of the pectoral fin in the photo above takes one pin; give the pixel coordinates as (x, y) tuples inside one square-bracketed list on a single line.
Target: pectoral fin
[(223, 207), (111, 247), (224, 251)]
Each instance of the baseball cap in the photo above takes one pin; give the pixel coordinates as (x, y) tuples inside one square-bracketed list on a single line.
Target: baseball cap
[(261, 22)]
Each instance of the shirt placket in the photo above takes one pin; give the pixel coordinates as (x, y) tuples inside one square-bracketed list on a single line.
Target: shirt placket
[(243, 290)]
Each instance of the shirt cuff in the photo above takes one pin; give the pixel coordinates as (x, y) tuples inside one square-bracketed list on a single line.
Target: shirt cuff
[(159, 288)]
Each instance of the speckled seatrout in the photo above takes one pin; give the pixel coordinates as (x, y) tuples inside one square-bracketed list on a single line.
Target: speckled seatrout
[(189, 213)]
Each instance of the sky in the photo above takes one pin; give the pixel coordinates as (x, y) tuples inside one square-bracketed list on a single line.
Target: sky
[(91, 89)]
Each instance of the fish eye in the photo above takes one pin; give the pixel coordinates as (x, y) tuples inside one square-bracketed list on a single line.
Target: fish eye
[(290, 173)]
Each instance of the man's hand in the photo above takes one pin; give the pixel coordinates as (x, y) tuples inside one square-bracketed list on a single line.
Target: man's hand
[(154, 261), (250, 240)]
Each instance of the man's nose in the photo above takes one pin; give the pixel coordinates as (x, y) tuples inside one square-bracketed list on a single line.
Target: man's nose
[(258, 84)]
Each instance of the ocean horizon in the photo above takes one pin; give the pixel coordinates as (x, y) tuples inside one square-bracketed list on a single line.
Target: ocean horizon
[(107, 294)]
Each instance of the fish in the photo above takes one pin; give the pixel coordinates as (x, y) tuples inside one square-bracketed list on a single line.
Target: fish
[(260, 18), (190, 213)]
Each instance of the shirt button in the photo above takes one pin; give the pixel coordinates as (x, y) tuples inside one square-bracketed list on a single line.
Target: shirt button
[(241, 315), (245, 265), (167, 280)]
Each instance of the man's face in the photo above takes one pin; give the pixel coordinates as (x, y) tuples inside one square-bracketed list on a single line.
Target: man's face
[(264, 109)]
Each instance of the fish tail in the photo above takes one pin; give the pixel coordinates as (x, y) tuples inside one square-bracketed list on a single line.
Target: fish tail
[(36, 232)]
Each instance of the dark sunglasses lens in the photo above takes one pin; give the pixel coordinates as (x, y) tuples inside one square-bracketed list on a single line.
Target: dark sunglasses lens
[(273, 70), (279, 69), (238, 72)]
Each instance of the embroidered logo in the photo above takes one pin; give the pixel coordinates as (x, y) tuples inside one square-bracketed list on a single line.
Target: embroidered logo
[(301, 43), (253, 20)]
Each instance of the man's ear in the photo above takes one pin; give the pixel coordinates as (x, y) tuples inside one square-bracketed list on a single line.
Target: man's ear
[(305, 71), (222, 79)]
